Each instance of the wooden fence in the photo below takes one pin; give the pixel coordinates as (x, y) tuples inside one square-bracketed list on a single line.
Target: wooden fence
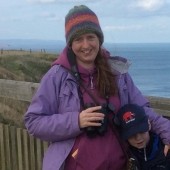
[(19, 150)]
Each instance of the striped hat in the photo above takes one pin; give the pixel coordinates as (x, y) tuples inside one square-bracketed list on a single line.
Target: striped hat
[(80, 20)]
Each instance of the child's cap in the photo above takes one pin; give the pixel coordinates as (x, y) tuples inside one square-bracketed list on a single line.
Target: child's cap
[(80, 20), (132, 120)]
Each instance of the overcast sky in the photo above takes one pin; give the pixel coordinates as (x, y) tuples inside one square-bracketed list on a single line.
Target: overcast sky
[(121, 20)]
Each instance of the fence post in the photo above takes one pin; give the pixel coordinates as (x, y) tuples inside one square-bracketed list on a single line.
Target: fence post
[(2, 148)]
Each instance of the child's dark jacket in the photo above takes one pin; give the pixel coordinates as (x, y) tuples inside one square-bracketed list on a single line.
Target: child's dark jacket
[(152, 157)]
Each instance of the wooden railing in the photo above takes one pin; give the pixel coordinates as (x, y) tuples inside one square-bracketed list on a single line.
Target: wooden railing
[(19, 150), (18, 90), (21, 90)]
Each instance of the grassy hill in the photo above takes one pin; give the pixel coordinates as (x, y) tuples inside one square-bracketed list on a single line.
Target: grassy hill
[(21, 66)]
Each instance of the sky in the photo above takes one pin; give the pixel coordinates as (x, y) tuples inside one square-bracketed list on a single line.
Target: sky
[(122, 21)]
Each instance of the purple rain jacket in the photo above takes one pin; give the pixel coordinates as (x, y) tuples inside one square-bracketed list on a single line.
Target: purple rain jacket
[(53, 113)]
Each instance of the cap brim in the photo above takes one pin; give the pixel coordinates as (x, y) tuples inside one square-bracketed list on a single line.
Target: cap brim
[(131, 131)]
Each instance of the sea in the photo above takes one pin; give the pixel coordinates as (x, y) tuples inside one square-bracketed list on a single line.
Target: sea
[(150, 62), (150, 66)]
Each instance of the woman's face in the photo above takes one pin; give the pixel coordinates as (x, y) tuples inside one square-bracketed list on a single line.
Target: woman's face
[(86, 48), (140, 140)]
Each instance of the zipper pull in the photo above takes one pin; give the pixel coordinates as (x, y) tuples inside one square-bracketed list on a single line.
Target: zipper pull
[(145, 154), (91, 82)]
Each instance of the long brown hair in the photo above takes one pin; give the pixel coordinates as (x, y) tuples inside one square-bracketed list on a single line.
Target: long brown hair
[(106, 80)]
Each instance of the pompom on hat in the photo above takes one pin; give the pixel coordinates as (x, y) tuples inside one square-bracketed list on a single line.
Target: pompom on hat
[(81, 20)]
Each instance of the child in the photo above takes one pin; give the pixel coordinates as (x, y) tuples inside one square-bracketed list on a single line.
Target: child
[(146, 148)]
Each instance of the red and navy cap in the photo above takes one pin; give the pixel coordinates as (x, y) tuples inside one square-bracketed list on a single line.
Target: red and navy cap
[(132, 120)]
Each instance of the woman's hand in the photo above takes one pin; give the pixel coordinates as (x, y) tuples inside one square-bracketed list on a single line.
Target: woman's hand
[(90, 117), (166, 149)]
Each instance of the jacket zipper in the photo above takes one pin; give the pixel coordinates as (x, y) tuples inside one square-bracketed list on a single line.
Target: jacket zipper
[(145, 157), (91, 82)]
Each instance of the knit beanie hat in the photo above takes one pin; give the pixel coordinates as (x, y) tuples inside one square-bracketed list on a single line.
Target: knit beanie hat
[(81, 20)]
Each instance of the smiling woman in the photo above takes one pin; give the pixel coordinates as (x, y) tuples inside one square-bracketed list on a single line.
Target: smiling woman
[(76, 102), (86, 47)]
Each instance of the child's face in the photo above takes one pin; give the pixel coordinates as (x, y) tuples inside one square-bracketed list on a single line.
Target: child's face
[(140, 140)]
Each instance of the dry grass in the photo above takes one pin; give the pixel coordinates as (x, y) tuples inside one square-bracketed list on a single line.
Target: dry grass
[(22, 66), (16, 52), (12, 111)]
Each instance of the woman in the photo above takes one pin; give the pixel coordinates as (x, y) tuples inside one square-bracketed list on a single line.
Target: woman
[(77, 98)]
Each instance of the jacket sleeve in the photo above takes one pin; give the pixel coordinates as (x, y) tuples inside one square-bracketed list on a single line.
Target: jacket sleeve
[(159, 124), (42, 118)]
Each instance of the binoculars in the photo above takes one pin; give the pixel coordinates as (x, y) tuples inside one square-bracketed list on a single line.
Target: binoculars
[(92, 131)]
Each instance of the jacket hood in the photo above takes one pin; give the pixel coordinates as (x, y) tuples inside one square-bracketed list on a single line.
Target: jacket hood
[(119, 65), (62, 59)]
